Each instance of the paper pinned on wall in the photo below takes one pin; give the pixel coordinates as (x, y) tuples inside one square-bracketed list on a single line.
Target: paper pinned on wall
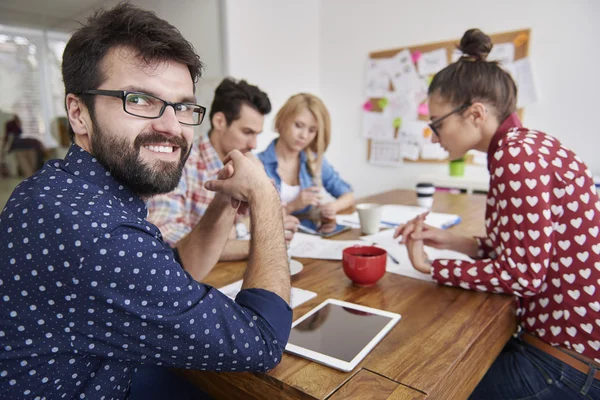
[(386, 153), (402, 106), (503, 53), (403, 73), (433, 151), (511, 69), (377, 77), (378, 125), (456, 54), (432, 62), (527, 93), (411, 138)]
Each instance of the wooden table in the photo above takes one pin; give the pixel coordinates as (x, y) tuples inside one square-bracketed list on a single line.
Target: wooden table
[(441, 348)]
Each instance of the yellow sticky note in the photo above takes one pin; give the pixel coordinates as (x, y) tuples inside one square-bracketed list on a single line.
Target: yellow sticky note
[(382, 103), (429, 79), (427, 132), (520, 40), (397, 123)]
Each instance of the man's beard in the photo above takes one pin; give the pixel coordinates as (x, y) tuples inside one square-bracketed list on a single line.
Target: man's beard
[(124, 163)]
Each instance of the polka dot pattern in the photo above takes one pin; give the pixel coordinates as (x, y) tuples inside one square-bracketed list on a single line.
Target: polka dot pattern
[(89, 290)]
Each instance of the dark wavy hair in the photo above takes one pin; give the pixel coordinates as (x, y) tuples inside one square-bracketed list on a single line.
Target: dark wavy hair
[(473, 78), (230, 95), (125, 25)]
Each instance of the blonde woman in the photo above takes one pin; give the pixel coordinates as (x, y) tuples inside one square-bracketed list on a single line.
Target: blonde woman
[(296, 160)]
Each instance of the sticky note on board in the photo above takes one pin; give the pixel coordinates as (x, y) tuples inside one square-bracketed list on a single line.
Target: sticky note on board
[(367, 106), (427, 132), (429, 79), (520, 40), (397, 123), (424, 109), (382, 103), (415, 56)]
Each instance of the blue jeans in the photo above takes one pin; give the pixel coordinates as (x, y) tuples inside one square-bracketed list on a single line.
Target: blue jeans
[(152, 382), (521, 371)]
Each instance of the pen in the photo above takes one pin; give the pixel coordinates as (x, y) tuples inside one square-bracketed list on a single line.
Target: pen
[(389, 223), (390, 256)]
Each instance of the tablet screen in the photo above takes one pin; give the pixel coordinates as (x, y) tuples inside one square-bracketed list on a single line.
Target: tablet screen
[(337, 331)]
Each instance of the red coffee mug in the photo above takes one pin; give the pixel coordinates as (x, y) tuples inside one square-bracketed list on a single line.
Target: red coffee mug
[(364, 265)]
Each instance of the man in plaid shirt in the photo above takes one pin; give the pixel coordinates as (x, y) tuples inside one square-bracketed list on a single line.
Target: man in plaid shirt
[(236, 117)]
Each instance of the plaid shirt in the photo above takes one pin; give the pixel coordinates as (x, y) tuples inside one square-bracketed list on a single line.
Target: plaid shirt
[(178, 212)]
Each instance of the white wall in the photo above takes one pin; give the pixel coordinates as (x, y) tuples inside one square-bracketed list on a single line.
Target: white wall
[(198, 20), (564, 49), (274, 44)]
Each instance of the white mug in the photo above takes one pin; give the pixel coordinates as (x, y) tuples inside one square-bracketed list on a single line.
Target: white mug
[(369, 215)]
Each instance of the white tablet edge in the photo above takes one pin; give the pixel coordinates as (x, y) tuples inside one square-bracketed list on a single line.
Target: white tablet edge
[(336, 362)]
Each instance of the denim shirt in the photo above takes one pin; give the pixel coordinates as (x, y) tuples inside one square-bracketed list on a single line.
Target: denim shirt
[(332, 182)]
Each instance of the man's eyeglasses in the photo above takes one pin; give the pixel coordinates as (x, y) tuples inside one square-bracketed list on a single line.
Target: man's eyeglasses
[(437, 121), (147, 106)]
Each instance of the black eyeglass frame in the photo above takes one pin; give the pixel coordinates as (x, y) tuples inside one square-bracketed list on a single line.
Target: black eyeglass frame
[(122, 94), (458, 109)]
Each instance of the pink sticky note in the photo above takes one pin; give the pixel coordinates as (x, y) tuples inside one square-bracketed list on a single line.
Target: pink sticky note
[(424, 109), (415, 56), (367, 106)]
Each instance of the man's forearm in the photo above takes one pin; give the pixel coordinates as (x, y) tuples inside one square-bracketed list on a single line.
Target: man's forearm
[(267, 262), (201, 248), (235, 250)]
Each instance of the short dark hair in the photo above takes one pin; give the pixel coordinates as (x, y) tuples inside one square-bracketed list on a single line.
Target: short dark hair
[(231, 94), (472, 78), (125, 25)]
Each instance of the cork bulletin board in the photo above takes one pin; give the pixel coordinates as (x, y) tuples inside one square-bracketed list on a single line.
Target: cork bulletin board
[(395, 112)]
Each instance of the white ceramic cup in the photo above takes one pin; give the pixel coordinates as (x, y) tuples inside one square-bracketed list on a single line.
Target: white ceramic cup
[(369, 215)]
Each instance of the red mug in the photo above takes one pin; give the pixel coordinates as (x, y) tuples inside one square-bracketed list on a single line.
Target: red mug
[(364, 265)]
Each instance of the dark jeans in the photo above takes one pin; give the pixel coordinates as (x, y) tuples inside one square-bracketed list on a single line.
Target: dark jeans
[(151, 382), (521, 371)]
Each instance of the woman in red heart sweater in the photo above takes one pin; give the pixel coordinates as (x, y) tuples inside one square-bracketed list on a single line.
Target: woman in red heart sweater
[(543, 233)]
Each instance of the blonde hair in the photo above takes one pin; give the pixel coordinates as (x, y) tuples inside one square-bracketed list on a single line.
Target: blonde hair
[(318, 146)]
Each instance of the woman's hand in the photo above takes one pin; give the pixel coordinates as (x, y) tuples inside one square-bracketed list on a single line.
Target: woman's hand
[(308, 197)]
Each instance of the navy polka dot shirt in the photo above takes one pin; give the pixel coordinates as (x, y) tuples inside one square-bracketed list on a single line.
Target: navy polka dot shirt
[(89, 291)]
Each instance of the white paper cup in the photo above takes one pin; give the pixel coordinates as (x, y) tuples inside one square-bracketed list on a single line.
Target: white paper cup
[(369, 215), (425, 193)]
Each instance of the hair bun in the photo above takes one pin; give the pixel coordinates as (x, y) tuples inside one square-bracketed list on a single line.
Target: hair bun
[(476, 44)]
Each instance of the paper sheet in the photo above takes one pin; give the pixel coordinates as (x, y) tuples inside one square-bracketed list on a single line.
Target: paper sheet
[(386, 153), (403, 105), (432, 62), (310, 246), (433, 151), (297, 295), (527, 93), (399, 252), (502, 52), (377, 125), (377, 77), (403, 73), (411, 138)]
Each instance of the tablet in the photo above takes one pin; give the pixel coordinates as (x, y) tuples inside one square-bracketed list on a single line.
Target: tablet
[(320, 229), (339, 334)]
